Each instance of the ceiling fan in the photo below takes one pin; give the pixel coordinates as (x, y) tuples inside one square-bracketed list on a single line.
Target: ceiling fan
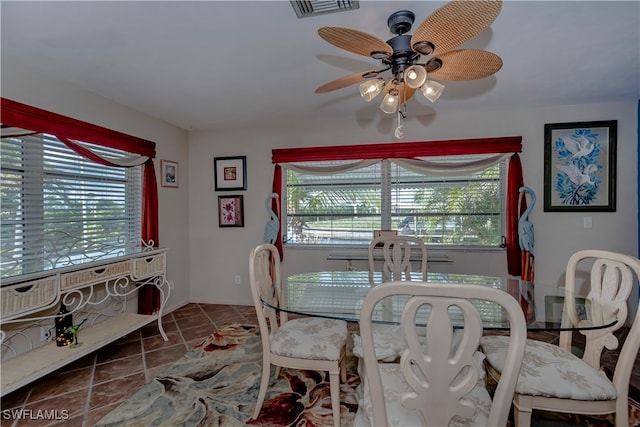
[(435, 38)]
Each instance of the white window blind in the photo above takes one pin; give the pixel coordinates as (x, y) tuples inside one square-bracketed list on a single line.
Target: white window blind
[(458, 209), (336, 208), (453, 210), (59, 208)]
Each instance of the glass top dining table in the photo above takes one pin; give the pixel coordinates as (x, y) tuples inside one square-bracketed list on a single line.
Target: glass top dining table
[(340, 294)]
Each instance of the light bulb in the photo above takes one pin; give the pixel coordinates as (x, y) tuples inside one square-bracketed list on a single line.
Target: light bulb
[(415, 76), (369, 89), (390, 102), (432, 90)]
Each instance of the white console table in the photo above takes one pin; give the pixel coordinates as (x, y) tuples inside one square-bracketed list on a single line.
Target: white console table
[(29, 304)]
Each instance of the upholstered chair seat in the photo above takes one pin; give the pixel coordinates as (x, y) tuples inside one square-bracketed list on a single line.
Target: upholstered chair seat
[(395, 387), (548, 370), (310, 338)]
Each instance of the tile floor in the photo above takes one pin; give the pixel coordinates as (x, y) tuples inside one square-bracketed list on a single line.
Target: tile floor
[(91, 387)]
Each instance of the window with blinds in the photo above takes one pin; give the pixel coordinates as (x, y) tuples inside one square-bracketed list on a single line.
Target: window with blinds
[(59, 208), (345, 208)]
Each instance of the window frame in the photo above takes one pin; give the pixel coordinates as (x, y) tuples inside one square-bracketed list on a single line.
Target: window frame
[(39, 245), (387, 183), (19, 118)]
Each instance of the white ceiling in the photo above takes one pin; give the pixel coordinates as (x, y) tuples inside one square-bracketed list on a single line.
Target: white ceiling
[(210, 64)]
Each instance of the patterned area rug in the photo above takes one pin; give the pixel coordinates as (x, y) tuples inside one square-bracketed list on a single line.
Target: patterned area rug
[(217, 384)]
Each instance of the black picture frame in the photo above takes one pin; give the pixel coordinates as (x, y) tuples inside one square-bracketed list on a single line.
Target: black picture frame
[(230, 173), (231, 211), (580, 166)]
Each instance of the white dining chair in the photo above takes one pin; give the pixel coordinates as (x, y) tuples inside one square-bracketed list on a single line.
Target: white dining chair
[(439, 379), (396, 252), (308, 343), (396, 265), (552, 378)]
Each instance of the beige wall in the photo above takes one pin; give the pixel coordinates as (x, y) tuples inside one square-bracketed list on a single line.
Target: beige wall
[(204, 259), (218, 254)]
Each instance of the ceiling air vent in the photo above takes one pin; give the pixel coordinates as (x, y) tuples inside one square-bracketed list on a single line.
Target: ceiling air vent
[(319, 7)]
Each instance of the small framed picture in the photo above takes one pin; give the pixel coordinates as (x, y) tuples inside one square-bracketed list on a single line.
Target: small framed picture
[(230, 173), (169, 173), (580, 166), (230, 211)]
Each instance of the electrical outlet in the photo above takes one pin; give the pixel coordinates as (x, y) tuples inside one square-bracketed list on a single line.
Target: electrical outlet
[(44, 334), (238, 280)]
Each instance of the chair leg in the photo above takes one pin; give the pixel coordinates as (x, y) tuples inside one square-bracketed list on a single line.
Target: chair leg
[(264, 383), (334, 384), (522, 411), (622, 411), (343, 370)]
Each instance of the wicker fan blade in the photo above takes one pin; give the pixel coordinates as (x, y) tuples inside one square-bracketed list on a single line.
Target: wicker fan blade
[(355, 41), (466, 64), (345, 81), (456, 23), (404, 92)]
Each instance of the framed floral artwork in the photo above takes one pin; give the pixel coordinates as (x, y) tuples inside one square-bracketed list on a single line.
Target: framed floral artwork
[(580, 166), (169, 171), (230, 211), (230, 173)]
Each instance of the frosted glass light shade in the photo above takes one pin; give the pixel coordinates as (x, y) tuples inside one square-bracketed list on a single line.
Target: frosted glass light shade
[(390, 102), (415, 76), (369, 89), (432, 90)]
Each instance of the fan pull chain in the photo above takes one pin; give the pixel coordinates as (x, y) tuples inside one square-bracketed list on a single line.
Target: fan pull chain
[(399, 132)]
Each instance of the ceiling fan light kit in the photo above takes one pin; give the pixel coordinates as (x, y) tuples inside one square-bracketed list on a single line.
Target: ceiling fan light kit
[(432, 90), (390, 102), (369, 89), (415, 76), (435, 38)]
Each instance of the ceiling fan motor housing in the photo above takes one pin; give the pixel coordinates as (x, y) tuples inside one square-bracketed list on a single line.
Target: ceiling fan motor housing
[(403, 55)]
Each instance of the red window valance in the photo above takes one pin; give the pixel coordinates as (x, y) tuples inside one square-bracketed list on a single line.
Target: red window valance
[(65, 128), (406, 150), (32, 118)]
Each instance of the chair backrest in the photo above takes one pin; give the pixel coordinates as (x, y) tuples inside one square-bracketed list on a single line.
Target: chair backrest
[(396, 251), (266, 288), (624, 365), (439, 372), (610, 282)]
